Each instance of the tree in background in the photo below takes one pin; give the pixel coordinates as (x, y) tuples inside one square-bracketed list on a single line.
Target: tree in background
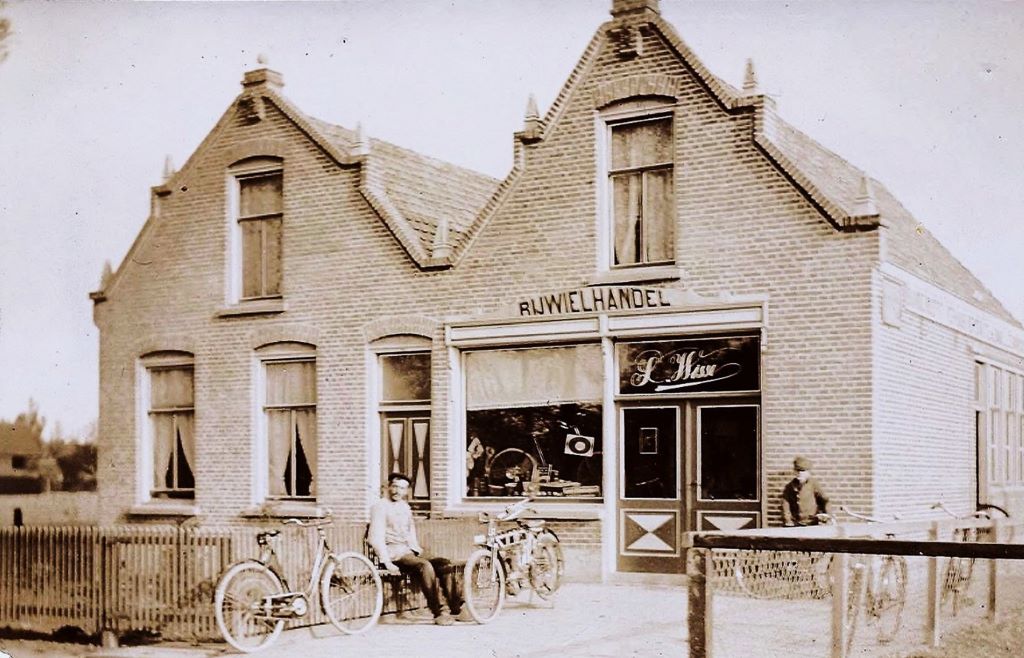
[(5, 32), (67, 463), (74, 459)]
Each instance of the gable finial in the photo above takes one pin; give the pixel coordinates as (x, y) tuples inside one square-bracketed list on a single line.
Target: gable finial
[(442, 247), (362, 145), (106, 275), (531, 108), (750, 86), (262, 75), (531, 121), (864, 205), (169, 170), (622, 8)]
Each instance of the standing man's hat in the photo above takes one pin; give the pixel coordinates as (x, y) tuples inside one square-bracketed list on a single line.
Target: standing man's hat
[(802, 464)]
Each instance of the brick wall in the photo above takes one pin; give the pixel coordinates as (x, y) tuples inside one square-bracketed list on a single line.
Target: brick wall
[(743, 229)]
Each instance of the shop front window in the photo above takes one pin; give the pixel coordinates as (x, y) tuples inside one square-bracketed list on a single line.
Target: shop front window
[(533, 422)]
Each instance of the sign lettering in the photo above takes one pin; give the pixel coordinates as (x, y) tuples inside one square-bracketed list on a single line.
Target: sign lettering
[(681, 366), (590, 300)]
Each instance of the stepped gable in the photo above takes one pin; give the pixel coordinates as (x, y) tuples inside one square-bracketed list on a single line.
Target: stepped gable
[(425, 190)]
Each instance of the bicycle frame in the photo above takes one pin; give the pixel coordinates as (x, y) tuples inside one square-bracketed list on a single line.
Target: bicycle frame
[(268, 558), (511, 549), (878, 584)]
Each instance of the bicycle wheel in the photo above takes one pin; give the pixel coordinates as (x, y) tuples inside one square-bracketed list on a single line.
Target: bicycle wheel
[(485, 586), (351, 592), (243, 609), (889, 597), (545, 570), (751, 571), (854, 602), (957, 580), (821, 575)]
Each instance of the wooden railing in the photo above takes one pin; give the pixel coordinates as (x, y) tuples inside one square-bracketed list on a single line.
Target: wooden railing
[(999, 543), (158, 579)]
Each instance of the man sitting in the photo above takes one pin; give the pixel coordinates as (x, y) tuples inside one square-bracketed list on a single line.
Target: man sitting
[(393, 538)]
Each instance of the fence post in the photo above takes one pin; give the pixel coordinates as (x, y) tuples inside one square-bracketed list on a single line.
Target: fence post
[(840, 597), (932, 626), (699, 570), (993, 535)]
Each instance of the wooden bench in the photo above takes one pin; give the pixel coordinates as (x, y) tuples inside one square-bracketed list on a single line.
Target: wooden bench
[(401, 594)]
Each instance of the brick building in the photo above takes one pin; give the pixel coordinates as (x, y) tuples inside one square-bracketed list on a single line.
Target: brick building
[(671, 294)]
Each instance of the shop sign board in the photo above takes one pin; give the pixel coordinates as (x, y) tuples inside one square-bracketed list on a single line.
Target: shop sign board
[(689, 365), (600, 299)]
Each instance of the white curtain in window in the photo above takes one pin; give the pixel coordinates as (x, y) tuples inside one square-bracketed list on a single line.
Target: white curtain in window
[(163, 445), (533, 377), (305, 428), (279, 438), (188, 445), (291, 382), (170, 387), (659, 227), (626, 201)]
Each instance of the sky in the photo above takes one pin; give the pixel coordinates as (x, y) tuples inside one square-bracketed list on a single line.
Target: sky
[(927, 97)]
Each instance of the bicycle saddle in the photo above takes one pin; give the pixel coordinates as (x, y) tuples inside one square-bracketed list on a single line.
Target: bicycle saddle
[(262, 537)]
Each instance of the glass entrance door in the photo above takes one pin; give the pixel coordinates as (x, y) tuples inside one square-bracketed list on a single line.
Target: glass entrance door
[(650, 500), (726, 466), (685, 465)]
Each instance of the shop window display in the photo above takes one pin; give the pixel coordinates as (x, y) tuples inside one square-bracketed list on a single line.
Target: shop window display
[(533, 422)]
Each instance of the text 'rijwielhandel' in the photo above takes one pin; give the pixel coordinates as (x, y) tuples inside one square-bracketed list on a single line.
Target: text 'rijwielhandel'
[(586, 300)]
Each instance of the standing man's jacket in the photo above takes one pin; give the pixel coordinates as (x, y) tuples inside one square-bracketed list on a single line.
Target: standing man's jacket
[(802, 501)]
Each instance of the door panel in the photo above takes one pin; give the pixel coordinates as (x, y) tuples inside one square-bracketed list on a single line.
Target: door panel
[(651, 513), (407, 450), (726, 462)]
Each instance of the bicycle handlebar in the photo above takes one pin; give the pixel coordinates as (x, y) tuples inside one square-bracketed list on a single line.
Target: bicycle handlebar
[(864, 517), (314, 523)]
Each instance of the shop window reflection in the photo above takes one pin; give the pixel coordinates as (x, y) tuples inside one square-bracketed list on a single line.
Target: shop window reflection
[(546, 451)]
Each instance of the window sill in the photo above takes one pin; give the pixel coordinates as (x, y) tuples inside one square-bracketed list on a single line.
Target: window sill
[(161, 508), (636, 275), (585, 510), (284, 509), (253, 307)]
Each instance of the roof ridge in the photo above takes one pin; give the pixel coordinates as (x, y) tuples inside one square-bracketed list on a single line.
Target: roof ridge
[(350, 134)]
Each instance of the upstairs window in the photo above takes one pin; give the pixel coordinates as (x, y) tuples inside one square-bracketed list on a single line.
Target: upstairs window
[(257, 231), (259, 218), (640, 175)]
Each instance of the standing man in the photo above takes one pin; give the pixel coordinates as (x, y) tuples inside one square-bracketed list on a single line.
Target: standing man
[(803, 499), (393, 538)]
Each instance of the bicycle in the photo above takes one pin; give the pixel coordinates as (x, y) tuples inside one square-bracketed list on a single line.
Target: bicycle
[(959, 570), (878, 584), (507, 560), (253, 599)]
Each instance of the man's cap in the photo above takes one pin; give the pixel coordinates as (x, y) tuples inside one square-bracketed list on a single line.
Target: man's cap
[(802, 464), (399, 476)]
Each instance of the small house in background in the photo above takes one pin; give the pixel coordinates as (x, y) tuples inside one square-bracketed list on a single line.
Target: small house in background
[(671, 294), (20, 452)]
